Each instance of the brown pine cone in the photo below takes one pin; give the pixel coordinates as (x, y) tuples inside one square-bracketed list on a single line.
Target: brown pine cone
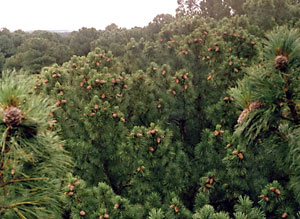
[(255, 105), (281, 62), (243, 115), (12, 116)]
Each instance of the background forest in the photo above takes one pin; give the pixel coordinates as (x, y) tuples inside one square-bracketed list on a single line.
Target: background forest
[(193, 116)]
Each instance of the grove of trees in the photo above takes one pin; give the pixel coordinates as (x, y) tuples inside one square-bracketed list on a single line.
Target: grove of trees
[(193, 116)]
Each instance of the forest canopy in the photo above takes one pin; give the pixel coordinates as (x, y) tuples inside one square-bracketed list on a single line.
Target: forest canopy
[(192, 116)]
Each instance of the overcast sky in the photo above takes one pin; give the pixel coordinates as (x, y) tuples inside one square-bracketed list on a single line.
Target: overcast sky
[(74, 14)]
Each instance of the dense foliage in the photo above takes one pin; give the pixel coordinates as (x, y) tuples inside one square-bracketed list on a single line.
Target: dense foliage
[(193, 116), (33, 162)]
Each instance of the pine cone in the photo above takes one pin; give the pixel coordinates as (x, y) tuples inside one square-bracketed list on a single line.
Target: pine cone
[(281, 62), (12, 116), (255, 105), (243, 115)]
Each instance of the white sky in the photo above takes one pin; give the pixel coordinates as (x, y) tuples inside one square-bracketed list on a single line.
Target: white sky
[(74, 14)]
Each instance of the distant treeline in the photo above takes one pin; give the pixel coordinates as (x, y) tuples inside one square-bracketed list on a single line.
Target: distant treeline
[(31, 51)]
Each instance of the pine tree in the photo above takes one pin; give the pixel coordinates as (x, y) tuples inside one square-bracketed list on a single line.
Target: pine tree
[(131, 115), (270, 93), (33, 161)]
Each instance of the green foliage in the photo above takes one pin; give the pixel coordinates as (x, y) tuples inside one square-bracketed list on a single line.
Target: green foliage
[(208, 211), (33, 164), (244, 209), (269, 13), (80, 40), (97, 202), (6, 46), (156, 214), (214, 8), (269, 98), (36, 53), (150, 157), (158, 126), (2, 61), (284, 42)]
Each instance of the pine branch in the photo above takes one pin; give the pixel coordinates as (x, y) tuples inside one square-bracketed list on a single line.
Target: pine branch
[(290, 103), (277, 132), (21, 180), (18, 204), (6, 138), (285, 118), (2, 181), (292, 107), (19, 213), (122, 187)]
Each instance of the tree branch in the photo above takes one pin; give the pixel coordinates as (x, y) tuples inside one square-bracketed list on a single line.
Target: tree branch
[(292, 107), (22, 180), (285, 118), (289, 98), (19, 213), (18, 204), (6, 138), (277, 132)]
